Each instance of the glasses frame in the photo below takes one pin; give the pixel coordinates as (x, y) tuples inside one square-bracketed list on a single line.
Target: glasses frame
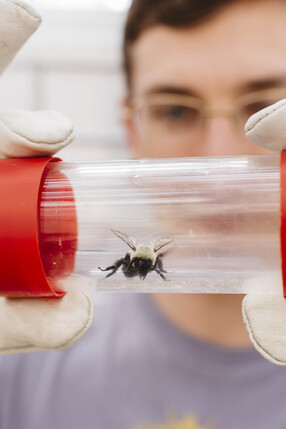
[(206, 110)]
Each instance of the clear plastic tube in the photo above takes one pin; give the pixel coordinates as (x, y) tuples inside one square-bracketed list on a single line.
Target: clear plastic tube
[(222, 214)]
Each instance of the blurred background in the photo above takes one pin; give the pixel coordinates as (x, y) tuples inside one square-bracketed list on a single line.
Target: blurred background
[(73, 64)]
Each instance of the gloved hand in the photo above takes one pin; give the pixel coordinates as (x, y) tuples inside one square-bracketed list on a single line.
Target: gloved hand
[(36, 324), (265, 315)]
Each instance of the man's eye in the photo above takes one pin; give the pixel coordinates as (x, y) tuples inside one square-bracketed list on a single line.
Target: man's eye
[(174, 114)]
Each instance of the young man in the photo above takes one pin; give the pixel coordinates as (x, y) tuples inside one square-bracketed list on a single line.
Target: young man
[(227, 68), (194, 73)]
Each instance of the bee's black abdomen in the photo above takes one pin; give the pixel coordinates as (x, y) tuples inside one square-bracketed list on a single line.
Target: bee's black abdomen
[(137, 267), (129, 273), (145, 266)]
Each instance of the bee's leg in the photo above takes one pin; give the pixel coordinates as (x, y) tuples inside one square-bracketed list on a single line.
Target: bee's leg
[(158, 267), (159, 263), (113, 267), (159, 272)]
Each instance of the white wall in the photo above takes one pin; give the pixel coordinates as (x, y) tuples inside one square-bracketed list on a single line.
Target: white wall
[(73, 64)]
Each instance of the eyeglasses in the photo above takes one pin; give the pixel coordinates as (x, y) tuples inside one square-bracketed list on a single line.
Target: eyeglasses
[(166, 115)]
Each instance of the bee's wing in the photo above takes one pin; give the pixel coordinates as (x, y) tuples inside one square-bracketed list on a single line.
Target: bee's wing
[(160, 243), (128, 240)]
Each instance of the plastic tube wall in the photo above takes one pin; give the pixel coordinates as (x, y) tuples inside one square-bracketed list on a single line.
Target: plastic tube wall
[(222, 215)]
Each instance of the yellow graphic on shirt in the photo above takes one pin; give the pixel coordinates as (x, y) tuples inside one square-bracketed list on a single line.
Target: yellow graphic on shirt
[(189, 422)]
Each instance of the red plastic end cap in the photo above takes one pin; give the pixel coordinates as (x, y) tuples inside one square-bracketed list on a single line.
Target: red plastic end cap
[(283, 217), (21, 270)]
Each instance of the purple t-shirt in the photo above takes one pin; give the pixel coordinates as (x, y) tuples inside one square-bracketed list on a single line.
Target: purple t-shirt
[(134, 370)]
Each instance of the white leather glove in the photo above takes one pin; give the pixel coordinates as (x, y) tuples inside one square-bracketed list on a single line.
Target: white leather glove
[(265, 315), (36, 324)]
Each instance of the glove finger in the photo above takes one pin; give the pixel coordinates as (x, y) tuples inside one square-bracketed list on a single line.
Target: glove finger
[(267, 128), (265, 320), (18, 21), (28, 134), (29, 325)]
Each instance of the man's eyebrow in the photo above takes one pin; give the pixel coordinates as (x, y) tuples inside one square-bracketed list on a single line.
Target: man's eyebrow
[(264, 83), (254, 85), (169, 89)]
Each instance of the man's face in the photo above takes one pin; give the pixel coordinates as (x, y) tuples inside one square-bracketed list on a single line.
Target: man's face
[(240, 51)]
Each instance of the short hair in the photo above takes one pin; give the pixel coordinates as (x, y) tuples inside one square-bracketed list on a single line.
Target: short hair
[(144, 14)]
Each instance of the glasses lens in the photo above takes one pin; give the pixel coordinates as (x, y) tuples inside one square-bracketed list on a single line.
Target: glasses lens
[(170, 118), (260, 103)]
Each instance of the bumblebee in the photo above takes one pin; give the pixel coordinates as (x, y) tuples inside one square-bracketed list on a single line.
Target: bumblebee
[(141, 259)]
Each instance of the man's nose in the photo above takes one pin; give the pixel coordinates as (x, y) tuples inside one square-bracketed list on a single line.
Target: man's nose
[(223, 136)]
